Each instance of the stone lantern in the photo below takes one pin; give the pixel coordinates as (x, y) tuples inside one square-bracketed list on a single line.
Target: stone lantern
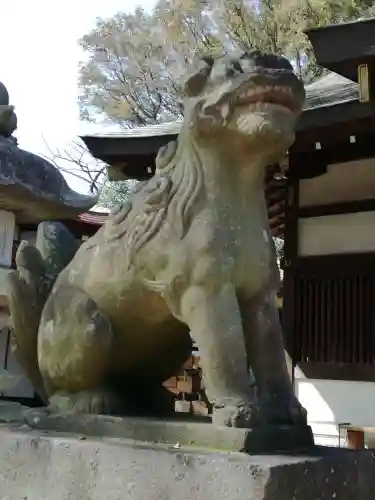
[(31, 190)]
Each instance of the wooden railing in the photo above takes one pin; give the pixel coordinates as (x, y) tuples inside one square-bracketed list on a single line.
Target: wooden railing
[(335, 319), (330, 314)]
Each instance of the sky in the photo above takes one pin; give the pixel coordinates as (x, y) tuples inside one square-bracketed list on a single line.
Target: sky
[(39, 57)]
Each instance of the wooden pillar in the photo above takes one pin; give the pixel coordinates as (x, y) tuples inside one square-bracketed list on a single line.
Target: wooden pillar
[(356, 439), (364, 83)]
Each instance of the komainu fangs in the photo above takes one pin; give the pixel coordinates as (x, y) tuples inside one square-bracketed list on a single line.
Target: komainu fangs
[(100, 328)]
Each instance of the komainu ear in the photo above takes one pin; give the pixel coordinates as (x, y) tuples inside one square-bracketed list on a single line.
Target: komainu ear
[(196, 81)]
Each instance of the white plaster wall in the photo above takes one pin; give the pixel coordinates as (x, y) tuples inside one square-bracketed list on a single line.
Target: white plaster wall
[(336, 234), (349, 181), (332, 403)]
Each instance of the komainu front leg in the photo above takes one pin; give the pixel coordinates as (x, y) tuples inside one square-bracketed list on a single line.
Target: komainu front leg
[(74, 342), (215, 323), (265, 351)]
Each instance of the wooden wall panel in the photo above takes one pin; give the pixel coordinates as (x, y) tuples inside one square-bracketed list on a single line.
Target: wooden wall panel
[(334, 313)]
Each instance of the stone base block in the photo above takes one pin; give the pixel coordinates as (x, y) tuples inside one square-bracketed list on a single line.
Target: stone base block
[(36, 465), (178, 431)]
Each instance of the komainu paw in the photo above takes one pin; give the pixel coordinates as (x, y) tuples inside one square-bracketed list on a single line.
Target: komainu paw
[(100, 402), (283, 411), (232, 413)]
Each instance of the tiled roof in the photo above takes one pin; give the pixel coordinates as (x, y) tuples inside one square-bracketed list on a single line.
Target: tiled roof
[(329, 90), (168, 128)]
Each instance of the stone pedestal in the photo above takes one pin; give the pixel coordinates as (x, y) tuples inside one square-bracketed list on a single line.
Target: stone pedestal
[(50, 465), (177, 431)]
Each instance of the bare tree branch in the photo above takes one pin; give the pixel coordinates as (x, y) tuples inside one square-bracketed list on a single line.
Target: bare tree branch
[(78, 162)]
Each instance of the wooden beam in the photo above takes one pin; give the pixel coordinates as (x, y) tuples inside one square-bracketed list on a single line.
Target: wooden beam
[(364, 83), (308, 164), (335, 115), (330, 135), (341, 47), (345, 207), (355, 439), (320, 370), (332, 118)]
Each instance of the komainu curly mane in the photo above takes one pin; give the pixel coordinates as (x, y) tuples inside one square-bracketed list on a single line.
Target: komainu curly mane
[(168, 197)]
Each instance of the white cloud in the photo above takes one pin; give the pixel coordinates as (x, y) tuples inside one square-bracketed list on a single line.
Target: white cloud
[(38, 61)]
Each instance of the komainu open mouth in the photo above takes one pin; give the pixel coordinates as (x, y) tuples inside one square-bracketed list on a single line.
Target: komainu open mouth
[(271, 94)]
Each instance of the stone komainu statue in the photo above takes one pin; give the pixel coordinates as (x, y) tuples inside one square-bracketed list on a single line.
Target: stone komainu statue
[(99, 328)]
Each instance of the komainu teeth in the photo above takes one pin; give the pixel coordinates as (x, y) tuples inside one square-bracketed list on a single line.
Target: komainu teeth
[(266, 89)]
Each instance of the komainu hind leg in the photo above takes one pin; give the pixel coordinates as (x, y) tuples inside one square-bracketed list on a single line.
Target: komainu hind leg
[(74, 343), (74, 353), (98, 401)]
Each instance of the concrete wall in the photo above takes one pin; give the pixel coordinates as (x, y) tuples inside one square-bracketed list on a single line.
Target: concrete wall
[(333, 404)]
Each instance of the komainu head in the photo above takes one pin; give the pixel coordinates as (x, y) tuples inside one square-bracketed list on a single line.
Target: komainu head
[(251, 102)]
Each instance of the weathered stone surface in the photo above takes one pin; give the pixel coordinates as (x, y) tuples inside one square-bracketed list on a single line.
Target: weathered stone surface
[(12, 412), (4, 96), (190, 253), (179, 431), (35, 466), (7, 380), (34, 189), (28, 288), (31, 186)]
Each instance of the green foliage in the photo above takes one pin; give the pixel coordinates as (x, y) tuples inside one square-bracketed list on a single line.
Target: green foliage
[(135, 61), (115, 193), (279, 245)]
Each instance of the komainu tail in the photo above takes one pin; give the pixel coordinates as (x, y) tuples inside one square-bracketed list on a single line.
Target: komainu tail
[(28, 287)]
